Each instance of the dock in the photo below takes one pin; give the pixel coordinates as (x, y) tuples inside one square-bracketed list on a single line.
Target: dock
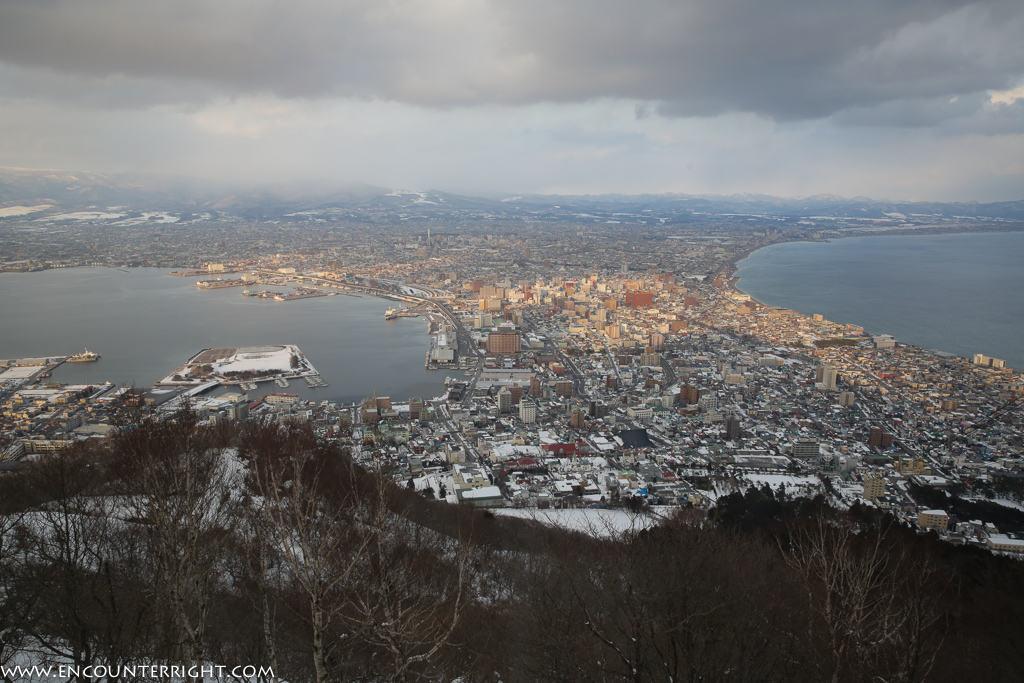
[(393, 313), (315, 381), (303, 293), (296, 297), (218, 284)]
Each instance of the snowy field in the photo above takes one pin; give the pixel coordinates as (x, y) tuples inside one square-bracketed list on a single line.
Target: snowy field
[(22, 210), (258, 359), (796, 485), (264, 361), (150, 218), (596, 522), (1005, 502), (792, 482), (84, 216)]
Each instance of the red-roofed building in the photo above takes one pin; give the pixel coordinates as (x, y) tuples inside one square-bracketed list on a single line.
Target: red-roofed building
[(639, 299)]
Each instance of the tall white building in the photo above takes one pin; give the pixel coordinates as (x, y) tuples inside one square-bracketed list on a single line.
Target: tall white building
[(827, 376), (504, 400), (708, 402), (527, 410)]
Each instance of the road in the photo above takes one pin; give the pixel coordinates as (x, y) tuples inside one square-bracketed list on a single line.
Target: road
[(579, 382), (443, 416)]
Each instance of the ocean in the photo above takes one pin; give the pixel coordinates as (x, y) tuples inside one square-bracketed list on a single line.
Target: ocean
[(963, 294), (145, 323)]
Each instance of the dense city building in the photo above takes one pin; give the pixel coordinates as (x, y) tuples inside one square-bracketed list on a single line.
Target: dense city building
[(573, 383)]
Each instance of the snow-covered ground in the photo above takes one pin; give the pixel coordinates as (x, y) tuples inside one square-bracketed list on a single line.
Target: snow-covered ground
[(84, 216), (151, 217), (796, 485), (265, 361), (791, 481), (596, 522), (22, 210), (1005, 502), (258, 359)]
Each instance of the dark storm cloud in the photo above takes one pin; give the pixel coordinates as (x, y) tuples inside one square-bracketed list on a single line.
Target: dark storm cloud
[(785, 59), (972, 113)]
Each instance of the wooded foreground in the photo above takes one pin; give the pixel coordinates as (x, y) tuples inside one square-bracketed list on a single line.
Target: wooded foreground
[(261, 544)]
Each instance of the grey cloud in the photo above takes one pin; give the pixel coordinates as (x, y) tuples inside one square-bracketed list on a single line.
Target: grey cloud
[(787, 59), (914, 112), (104, 92), (1001, 119)]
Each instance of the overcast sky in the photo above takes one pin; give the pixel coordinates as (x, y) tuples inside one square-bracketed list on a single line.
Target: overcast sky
[(900, 99)]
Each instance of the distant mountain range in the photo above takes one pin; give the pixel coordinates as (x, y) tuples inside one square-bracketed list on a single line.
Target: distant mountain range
[(50, 192)]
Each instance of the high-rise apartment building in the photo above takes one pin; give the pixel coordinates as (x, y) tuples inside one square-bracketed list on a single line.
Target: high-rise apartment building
[(528, 411), (504, 342), (415, 408), (732, 428), (688, 395), (878, 438), (708, 402), (826, 376), (639, 299), (874, 487), (504, 400), (650, 359)]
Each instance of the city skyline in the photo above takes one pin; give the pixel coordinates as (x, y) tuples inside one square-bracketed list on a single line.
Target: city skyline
[(917, 102), (551, 340)]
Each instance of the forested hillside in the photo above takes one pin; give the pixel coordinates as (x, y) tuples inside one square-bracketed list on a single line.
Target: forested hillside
[(263, 544)]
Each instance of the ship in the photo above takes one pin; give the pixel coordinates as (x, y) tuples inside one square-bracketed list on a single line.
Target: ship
[(86, 356)]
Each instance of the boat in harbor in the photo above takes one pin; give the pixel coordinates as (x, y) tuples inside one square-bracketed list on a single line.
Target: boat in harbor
[(315, 381), (86, 356)]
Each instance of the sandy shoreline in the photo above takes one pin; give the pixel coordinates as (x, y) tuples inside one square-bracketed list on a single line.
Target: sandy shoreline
[(732, 267)]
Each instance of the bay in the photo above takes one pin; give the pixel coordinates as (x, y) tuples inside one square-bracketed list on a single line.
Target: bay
[(959, 293), (145, 323)]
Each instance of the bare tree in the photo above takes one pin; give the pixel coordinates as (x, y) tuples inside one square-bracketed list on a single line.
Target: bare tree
[(178, 482), (411, 588), (80, 564), (260, 568), (678, 602), (16, 603), (307, 497), (873, 601)]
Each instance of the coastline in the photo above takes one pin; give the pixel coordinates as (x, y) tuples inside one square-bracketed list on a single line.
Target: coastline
[(346, 338), (734, 267), (732, 264), (734, 282)]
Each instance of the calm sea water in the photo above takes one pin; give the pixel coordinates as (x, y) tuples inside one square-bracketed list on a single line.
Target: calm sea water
[(963, 294), (146, 323)]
